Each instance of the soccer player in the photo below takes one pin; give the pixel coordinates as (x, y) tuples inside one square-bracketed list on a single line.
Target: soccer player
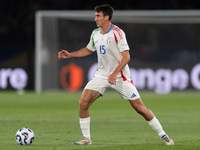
[(110, 44)]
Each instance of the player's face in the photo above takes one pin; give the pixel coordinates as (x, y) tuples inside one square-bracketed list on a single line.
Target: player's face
[(100, 19)]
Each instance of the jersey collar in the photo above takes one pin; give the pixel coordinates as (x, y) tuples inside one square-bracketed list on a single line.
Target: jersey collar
[(109, 29)]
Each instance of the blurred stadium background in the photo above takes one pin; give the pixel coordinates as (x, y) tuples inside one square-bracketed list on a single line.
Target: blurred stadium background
[(17, 41)]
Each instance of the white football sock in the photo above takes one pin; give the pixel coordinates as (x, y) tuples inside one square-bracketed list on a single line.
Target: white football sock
[(85, 126), (155, 124)]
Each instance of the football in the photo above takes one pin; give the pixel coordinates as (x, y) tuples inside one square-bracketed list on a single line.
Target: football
[(24, 136)]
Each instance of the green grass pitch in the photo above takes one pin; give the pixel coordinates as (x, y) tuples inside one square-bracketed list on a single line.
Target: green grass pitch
[(114, 124)]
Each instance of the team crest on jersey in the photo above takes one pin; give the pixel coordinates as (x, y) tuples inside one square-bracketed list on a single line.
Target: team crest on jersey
[(108, 40)]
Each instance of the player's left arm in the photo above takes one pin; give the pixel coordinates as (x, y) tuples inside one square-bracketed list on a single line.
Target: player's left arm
[(125, 59)]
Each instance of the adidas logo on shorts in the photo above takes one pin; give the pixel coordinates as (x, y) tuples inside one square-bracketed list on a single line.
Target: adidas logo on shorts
[(133, 95)]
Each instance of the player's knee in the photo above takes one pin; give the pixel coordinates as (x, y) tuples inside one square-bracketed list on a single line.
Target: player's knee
[(140, 109), (83, 104)]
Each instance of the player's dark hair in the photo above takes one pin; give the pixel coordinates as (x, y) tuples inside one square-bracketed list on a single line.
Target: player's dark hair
[(106, 9)]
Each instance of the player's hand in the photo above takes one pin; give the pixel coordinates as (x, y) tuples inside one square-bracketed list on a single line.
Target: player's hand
[(63, 54), (112, 79)]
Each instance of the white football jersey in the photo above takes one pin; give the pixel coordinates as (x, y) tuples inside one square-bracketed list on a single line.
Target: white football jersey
[(109, 48)]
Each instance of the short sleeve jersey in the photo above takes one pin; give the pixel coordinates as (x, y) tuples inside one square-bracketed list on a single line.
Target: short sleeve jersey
[(109, 47)]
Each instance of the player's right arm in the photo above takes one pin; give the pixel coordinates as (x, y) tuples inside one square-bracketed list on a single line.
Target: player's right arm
[(63, 54)]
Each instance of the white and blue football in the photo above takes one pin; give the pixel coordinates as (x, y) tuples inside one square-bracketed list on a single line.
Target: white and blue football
[(24, 136)]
